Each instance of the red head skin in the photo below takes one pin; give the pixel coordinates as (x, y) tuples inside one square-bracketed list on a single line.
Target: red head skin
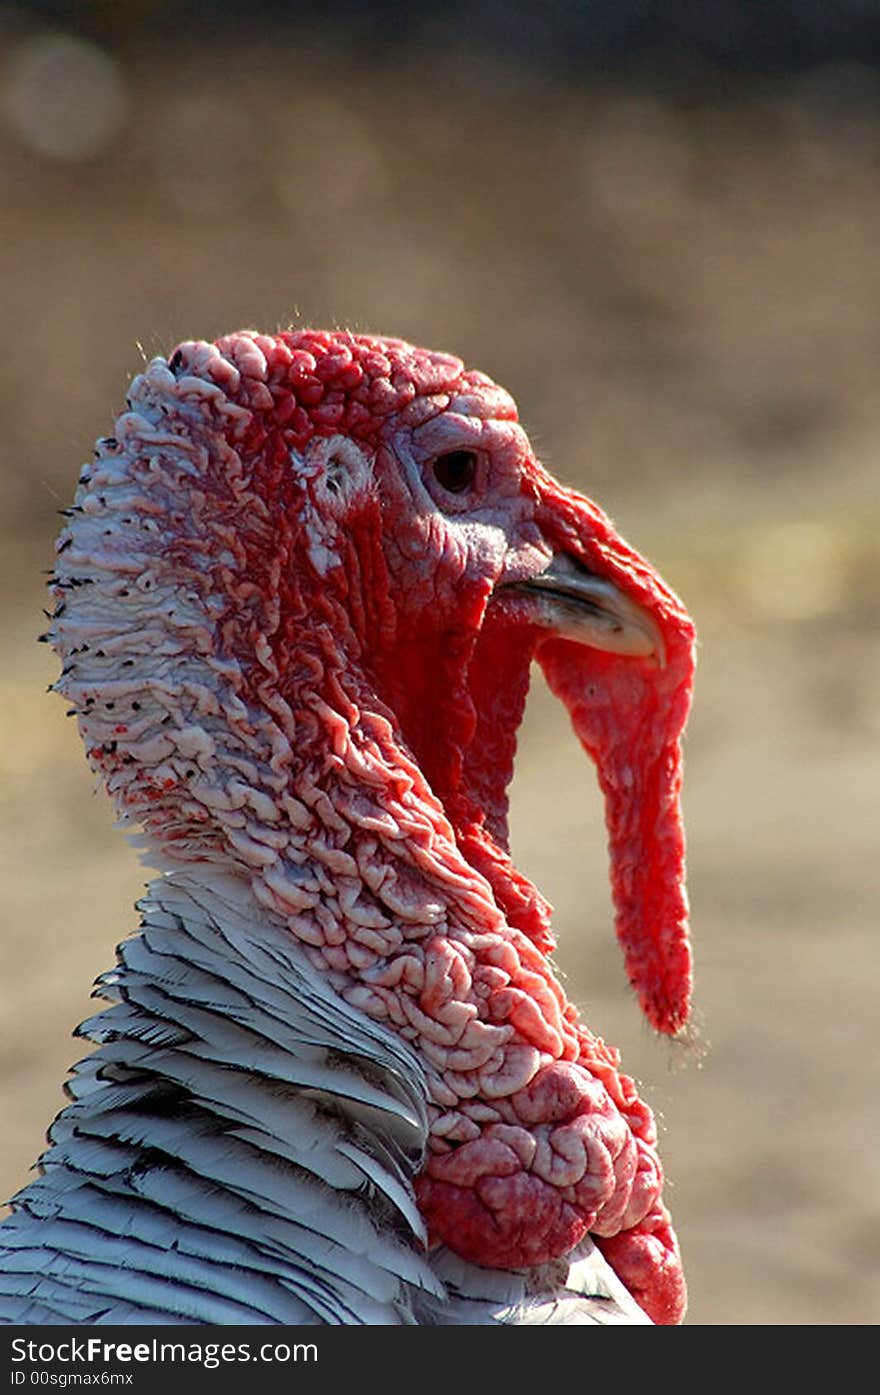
[(300, 656)]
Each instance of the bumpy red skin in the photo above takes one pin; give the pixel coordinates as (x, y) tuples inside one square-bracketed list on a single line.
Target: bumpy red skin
[(392, 717)]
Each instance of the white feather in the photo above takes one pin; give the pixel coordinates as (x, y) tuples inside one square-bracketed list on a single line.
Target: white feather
[(241, 1147)]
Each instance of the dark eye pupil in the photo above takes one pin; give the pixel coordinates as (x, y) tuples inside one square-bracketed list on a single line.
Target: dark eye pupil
[(456, 470)]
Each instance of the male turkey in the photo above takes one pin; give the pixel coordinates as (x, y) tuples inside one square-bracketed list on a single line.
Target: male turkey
[(297, 602)]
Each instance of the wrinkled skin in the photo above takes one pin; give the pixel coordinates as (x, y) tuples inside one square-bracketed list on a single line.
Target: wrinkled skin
[(305, 652)]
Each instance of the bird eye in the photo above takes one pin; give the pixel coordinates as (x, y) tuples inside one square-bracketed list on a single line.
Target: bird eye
[(456, 470)]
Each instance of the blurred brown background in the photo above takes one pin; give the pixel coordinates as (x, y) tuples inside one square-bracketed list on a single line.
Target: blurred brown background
[(668, 254)]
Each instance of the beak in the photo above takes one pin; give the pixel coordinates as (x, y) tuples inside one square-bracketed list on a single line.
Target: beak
[(574, 603), (617, 646)]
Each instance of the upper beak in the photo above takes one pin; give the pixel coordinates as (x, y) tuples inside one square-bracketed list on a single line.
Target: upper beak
[(574, 603)]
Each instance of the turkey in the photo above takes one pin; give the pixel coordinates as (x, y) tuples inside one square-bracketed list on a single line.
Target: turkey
[(297, 600)]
